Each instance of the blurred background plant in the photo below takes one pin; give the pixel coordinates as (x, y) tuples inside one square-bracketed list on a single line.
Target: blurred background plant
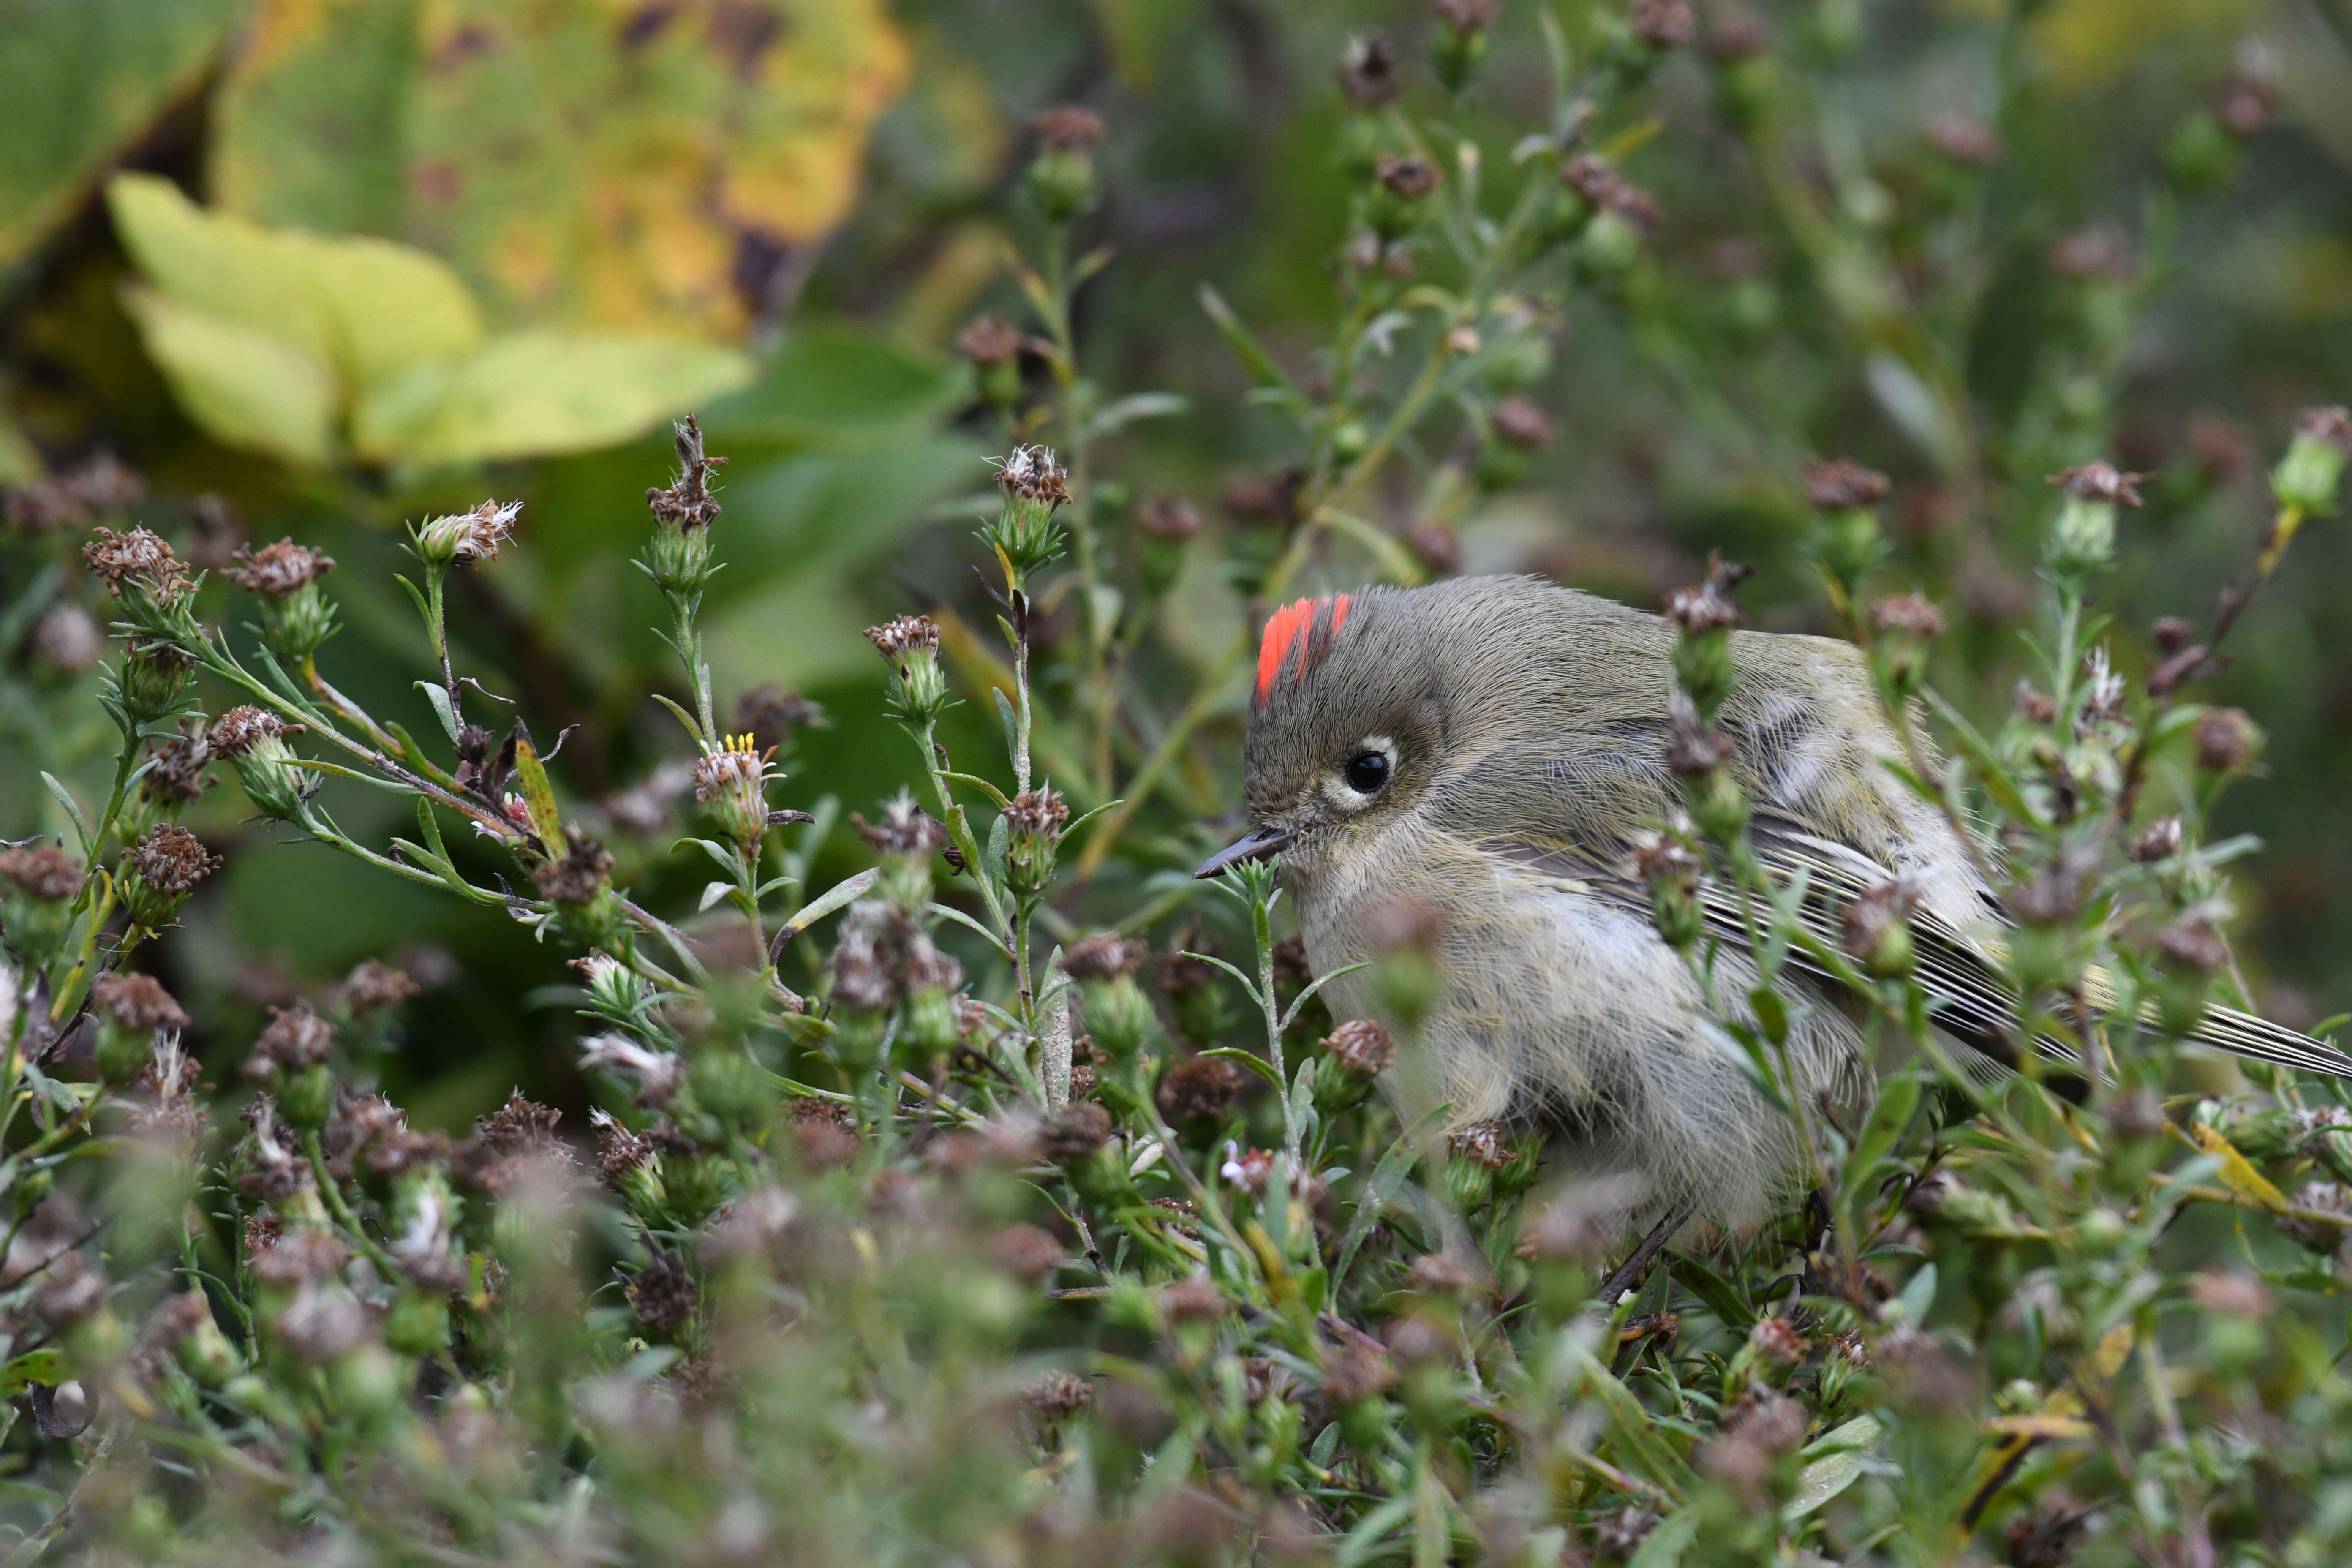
[(1247, 301)]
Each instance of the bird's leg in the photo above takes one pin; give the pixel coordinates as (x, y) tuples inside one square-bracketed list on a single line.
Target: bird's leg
[(1632, 1271)]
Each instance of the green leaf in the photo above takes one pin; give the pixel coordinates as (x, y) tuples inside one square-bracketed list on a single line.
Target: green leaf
[(838, 895), (1245, 346), (65, 799), (243, 386), (539, 798), (80, 82), (1667, 1540), (1899, 1097), (42, 1365), (1117, 415), (530, 394), (1387, 1180), (1255, 1063), (1771, 1014), (1837, 1462), (834, 384), (439, 697)]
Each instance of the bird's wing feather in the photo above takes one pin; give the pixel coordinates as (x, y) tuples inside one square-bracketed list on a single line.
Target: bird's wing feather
[(1968, 992)]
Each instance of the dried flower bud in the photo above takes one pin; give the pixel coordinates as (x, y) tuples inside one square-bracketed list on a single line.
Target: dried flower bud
[(2099, 253), (2033, 707), (576, 878), (2159, 840), (1876, 925), (2192, 945), (2100, 481), (1360, 1047), (1482, 1143), (138, 1003), (296, 1039), (1696, 750), (1407, 177), (2171, 634), (277, 570), (1025, 1252), (163, 867), (1698, 608), (989, 341), (662, 1294), (1841, 484), (1519, 422), (2226, 739), (468, 537), (1034, 488), (1368, 71), (1355, 1371), (1034, 820), (1169, 517), (1663, 24), (906, 831), (2319, 1199), (1962, 138), (1104, 957), (1777, 1344), (138, 559), (733, 782), (241, 729), (1068, 128), (1910, 615), (45, 872), (1201, 1088), (1074, 1133), (1193, 1300), (2231, 1293), (66, 639), (1435, 545)]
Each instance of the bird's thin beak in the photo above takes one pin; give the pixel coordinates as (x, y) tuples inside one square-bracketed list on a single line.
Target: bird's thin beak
[(1260, 844)]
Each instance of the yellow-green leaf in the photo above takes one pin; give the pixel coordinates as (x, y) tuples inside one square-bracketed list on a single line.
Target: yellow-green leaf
[(539, 798), (243, 386), (370, 309), (528, 394), (2236, 1173)]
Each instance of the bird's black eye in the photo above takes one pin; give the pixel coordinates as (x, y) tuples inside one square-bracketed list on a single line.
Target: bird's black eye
[(1367, 772)]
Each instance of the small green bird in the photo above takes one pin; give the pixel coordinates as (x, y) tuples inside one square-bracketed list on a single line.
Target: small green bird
[(1487, 751)]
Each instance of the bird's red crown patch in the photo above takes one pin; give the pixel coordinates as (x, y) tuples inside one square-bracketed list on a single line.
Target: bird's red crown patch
[(1297, 623)]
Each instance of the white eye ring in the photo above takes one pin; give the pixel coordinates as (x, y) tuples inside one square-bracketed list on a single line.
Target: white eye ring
[(1365, 776)]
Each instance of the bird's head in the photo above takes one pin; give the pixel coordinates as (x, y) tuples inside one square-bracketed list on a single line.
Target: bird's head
[(1364, 704)]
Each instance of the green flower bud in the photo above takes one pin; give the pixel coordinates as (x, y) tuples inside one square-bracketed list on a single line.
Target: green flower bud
[(153, 678), (1033, 820), (467, 537), (919, 687), (1060, 180), (1025, 532), (2308, 476), (418, 1323), (2083, 538), (1458, 46), (253, 740)]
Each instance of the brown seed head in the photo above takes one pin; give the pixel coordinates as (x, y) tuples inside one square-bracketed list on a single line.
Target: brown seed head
[(306, 1255), (662, 1293), (1067, 128), (2032, 706), (1435, 545), (1354, 1370), (2044, 1536), (2192, 945), (2225, 739), (1032, 474), (1467, 16), (276, 570), (66, 638), (769, 713), (2333, 426), (1841, 484), (1075, 1131), (1025, 1252), (138, 1003), (1058, 1396), (241, 729), (1169, 517), (987, 340), (1912, 614), (904, 830), (1663, 24), (178, 773), (897, 639), (1484, 1143), (577, 878), (1038, 813), (1517, 422), (688, 502), (2097, 253), (1737, 35), (1962, 138), (372, 986), (2171, 634), (2159, 840), (1266, 498), (1201, 1088), (1104, 957), (1697, 749), (1698, 608), (1407, 175), (171, 860), (1871, 915), (296, 1039), (138, 556), (1368, 71), (2100, 481), (44, 871), (2248, 99), (1777, 1342), (1361, 1046)]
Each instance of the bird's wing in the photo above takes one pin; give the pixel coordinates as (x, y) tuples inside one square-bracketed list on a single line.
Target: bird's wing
[(1968, 993)]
